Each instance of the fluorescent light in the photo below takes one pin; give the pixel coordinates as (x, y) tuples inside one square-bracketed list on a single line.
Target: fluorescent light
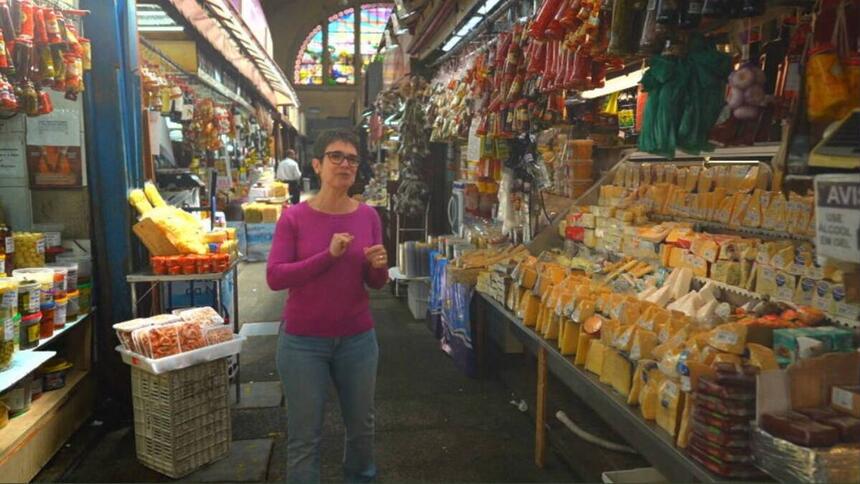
[(469, 25), (616, 84), (451, 43), (488, 5)]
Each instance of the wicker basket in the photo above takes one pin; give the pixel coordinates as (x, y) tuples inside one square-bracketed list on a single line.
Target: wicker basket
[(181, 418)]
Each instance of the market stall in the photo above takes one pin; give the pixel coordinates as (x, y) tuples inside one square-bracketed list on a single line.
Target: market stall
[(674, 169)]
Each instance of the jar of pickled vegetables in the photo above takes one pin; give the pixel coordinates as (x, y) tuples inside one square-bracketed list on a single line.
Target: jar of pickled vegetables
[(8, 295), (7, 247), (7, 340), (29, 249)]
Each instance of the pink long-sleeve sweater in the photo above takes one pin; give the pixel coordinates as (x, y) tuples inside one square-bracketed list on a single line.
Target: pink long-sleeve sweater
[(327, 295)]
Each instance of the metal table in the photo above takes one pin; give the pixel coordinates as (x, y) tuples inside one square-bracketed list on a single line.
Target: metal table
[(646, 437), (147, 276)]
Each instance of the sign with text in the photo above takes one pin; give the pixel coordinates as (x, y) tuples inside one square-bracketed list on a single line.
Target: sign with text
[(837, 216), (55, 166)]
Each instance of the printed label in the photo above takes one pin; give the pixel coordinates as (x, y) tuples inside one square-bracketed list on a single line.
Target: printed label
[(8, 329), (726, 337), (10, 245), (10, 299), (40, 246), (53, 239)]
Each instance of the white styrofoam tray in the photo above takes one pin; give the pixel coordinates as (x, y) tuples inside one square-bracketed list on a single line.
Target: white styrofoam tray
[(183, 360)]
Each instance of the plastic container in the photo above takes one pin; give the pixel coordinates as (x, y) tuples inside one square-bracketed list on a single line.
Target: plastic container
[(18, 398), (28, 336), (46, 324), (125, 329), (29, 249), (45, 278), (159, 265), (29, 297), (61, 312), (71, 269), (182, 360), (7, 341), (83, 264), (581, 149), (8, 295), (60, 280), (54, 373), (73, 310), (217, 334), (37, 387), (85, 299), (204, 315), (16, 330)]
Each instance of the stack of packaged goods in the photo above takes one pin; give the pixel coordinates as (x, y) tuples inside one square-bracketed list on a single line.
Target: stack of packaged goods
[(171, 334), (723, 409)]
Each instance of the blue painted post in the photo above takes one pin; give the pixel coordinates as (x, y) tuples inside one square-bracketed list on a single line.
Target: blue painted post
[(113, 120)]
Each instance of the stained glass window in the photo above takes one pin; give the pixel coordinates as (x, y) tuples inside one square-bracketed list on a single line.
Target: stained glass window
[(341, 46), (309, 64), (373, 21)]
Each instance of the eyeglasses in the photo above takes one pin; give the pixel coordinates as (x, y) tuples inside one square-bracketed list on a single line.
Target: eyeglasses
[(338, 157)]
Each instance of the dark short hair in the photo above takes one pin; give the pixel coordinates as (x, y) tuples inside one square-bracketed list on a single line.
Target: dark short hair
[(291, 153), (330, 136)]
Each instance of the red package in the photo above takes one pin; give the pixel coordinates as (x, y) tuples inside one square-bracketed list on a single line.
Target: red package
[(722, 468), (725, 454), (727, 423), (709, 387), (737, 440), (725, 407)]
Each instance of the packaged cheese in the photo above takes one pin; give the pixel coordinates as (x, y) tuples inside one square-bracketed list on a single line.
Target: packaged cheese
[(617, 372), (686, 428), (643, 346), (739, 211), (569, 338), (640, 378), (648, 398), (670, 405), (731, 338), (775, 213), (761, 357)]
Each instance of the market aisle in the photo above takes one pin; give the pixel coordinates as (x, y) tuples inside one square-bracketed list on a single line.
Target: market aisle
[(433, 423)]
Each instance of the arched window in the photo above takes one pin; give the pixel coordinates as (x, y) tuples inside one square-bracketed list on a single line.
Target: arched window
[(339, 46)]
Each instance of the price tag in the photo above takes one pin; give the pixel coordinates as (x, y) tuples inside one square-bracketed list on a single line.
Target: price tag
[(10, 300), (53, 239), (40, 246), (837, 216)]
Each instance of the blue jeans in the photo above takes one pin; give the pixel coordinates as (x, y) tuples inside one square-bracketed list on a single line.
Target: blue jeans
[(304, 365)]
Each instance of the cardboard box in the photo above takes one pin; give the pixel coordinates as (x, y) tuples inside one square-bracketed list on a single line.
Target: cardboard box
[(789, 350), (846, 399), (807, 383)]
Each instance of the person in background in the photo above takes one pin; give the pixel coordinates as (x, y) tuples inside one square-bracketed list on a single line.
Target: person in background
[(325, 251), (289, 172)]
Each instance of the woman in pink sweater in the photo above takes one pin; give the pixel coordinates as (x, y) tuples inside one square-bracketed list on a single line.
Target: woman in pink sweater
[(325, 251)]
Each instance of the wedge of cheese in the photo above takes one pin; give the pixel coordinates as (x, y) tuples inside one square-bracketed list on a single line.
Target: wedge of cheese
[(552, 327), (681, 285), (531, 308), (640, 378), (595, 357), (569, 338), (583, 344), (645, 293), (617, 372), (661, 297), (644, 342), (623, 340)]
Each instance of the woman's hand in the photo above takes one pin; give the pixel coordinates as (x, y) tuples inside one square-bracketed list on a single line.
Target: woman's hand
[(376, 256), (339, 244)]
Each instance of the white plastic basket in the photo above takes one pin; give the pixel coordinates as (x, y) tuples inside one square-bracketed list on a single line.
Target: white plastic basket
[(183, 360)]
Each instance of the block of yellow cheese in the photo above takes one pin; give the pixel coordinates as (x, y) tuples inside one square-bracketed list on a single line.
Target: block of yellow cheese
[(594, 359), (530, 313), (686, 428), (643, 346), (552, 327), (730, 337), (706, 248), (648, 398), (669, 406), (677, 257), (569, 338), (617, 372), (583, 343), (640, 378)]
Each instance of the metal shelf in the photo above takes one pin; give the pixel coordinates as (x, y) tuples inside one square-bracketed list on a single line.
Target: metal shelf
[(148, 276), (651, 441)]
